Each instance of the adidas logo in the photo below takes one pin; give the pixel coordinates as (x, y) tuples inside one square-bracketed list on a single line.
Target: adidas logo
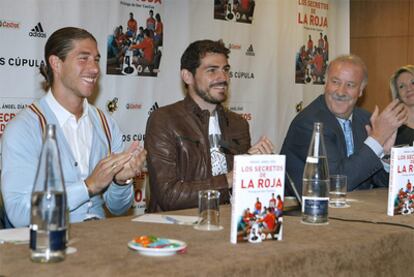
[(250, 51), (37, 31), (153, 108)]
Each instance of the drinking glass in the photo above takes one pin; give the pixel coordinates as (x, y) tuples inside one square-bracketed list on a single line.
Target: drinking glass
[(337, 192), (209, 211)]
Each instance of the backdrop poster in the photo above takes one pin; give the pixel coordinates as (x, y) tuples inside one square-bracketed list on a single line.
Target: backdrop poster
[(264, 37), (312, 57)]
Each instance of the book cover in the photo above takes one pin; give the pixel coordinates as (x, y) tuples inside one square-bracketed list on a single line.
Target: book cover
[(400, 190), (258, 195)]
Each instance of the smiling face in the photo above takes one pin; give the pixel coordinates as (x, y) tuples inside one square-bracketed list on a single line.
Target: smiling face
[(405, 86), (78, 74), (209, 86), (343, 87)]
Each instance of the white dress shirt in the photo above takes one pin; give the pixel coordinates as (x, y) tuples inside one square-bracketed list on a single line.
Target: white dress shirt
[(78, 133)]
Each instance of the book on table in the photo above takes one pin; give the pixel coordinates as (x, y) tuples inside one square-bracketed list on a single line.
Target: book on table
[(400, 188), (258, 197)]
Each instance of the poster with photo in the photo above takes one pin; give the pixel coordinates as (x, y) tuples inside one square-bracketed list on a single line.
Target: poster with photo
[(135, 45), (234, 10), (312, 56)]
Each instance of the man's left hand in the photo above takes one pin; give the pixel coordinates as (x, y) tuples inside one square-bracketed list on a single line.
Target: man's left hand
[(134, 166), (263, 146)]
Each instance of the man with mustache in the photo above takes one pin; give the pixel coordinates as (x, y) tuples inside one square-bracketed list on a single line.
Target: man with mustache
[(95, 168), (191, 143), (358, 156)]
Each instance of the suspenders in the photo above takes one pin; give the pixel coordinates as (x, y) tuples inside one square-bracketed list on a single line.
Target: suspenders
[(42, 119), (104, 123), (105, 127)]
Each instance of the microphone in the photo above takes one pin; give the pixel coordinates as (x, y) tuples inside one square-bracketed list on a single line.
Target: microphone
[(295, 190), (229, 147)]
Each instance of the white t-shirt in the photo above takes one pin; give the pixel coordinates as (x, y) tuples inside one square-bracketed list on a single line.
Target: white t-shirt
[(218, 159)]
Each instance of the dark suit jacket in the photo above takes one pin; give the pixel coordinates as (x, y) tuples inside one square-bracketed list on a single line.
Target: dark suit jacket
[(363, 168)]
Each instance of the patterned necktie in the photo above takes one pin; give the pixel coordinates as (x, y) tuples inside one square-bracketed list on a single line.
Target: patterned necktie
[(348, 137)]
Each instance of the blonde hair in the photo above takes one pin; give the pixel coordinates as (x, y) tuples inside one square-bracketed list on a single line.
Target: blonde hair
[(393, 80)]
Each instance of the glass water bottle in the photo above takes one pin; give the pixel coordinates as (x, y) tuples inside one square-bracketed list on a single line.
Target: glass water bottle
[(49, 222), (315, 193)]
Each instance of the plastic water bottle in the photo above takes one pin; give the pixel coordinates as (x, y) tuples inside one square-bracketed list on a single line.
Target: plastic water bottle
[(49, 222), (315, 193)]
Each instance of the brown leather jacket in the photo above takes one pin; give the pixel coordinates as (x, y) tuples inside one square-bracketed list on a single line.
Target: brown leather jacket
[(179, 162)]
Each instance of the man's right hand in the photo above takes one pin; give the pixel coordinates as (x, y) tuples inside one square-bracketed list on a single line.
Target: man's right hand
[(104, 172), (390, 143)]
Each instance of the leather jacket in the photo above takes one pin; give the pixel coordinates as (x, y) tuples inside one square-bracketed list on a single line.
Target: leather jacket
[(179, 161)]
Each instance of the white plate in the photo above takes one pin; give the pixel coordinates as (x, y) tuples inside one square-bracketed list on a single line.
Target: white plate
[(176, 246)]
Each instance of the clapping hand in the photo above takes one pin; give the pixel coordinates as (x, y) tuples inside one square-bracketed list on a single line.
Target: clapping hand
[(385, 124), (263, 146), (104, 172), (133, 166), (116, 167)]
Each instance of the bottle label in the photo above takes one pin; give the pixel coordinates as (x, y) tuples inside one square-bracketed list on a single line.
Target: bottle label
[(312, 160), (315, 206), (57, 239), (33, 232)]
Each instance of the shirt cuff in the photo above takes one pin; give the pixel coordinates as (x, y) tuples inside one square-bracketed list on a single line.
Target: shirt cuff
[(386, 166), (375, 146), (77, 194), (86, 188)]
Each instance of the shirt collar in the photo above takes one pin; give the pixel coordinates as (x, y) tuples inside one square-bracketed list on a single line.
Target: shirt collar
[(342, 120), (192, 106), (60, 112)]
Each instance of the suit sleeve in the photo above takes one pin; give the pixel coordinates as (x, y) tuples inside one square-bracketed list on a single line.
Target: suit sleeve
[(295, 147), (363, 168)]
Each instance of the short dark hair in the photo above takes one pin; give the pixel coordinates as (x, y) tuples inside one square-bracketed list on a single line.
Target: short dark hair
[(60, 43), (191, 58), (158, 17), (147, 33)]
